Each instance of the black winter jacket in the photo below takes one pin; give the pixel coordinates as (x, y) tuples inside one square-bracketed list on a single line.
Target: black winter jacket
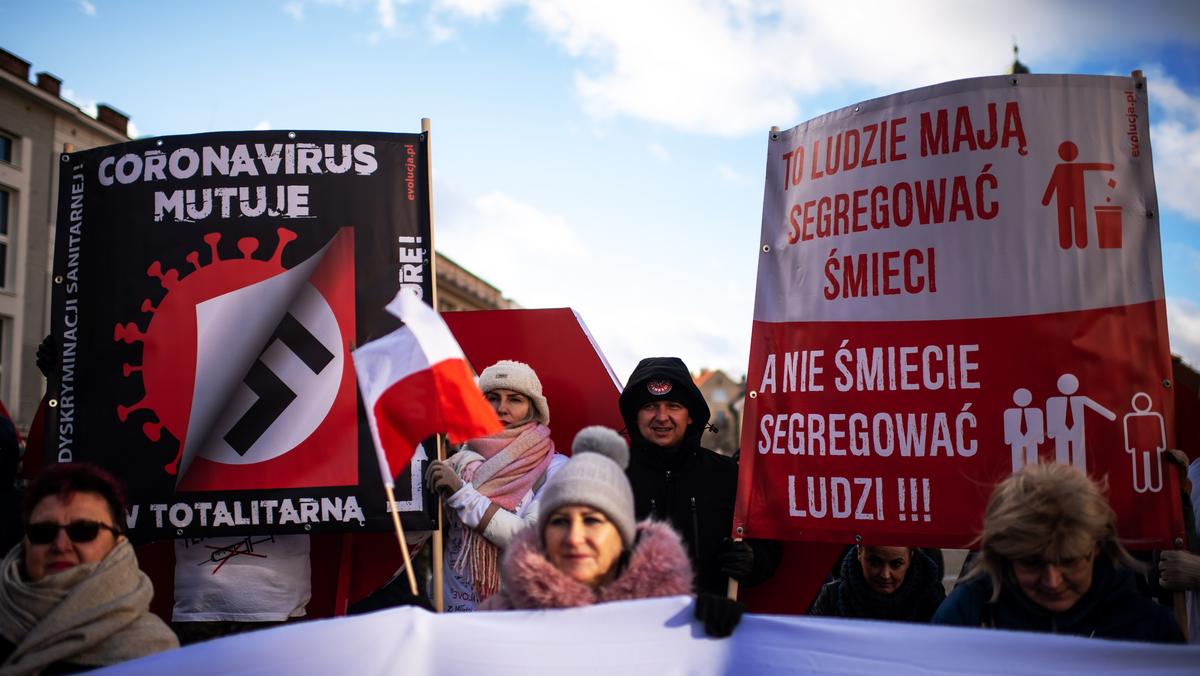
[(689, 486), (1112, 608), (850, 596)]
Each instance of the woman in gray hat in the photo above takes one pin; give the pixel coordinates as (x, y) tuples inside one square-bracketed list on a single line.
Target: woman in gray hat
[(587, 547), (492, 485)]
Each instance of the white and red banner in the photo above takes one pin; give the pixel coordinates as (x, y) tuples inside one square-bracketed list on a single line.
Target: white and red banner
[(416, 383), (955, 282)]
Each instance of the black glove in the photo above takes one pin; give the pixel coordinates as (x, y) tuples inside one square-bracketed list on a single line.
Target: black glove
[(736, 559), (47, 357), (719, 614)]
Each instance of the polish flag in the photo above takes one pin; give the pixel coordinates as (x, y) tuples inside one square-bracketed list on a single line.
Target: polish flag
[(415, 383)]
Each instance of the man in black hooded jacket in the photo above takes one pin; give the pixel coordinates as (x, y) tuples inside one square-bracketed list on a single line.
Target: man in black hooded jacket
[(677, 480)]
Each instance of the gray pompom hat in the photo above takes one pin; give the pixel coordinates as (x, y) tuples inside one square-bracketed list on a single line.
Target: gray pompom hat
[(594, 476), (518, 377)]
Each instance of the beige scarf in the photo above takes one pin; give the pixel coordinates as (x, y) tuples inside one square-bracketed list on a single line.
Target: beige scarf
[(94, 614)]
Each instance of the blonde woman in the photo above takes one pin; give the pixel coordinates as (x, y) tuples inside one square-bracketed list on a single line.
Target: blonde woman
[(1050, 562), (492, 484)]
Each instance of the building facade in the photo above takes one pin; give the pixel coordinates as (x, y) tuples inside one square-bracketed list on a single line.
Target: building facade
[(36, 126), (724, 396)]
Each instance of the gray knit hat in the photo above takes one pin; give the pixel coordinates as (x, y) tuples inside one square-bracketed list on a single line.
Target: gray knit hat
[(518, 377), (594, 476)]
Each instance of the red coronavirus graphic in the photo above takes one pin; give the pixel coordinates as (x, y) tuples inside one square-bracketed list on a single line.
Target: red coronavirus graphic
[(168, 366)]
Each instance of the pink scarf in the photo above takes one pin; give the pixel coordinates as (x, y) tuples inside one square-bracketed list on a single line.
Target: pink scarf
[(513, 462)]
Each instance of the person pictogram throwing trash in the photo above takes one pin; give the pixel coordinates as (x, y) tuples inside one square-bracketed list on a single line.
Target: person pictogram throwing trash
[(1066, 184)]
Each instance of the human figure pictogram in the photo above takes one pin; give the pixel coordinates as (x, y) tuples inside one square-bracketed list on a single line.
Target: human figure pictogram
[(1145, 440), (1024, 430), (1065, 422), (1066, 183)]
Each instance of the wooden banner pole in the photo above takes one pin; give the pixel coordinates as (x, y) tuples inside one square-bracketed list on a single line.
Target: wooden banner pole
[(408, 567), (732, 589), (439, 601)]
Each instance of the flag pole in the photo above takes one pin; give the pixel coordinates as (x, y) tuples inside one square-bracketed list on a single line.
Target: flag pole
[(439, 601), (408, 568)]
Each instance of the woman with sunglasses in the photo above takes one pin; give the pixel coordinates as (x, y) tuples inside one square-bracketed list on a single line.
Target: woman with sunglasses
[(71, 594)]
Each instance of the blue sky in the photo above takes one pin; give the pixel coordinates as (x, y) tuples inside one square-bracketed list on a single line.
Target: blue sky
[(608, 156)]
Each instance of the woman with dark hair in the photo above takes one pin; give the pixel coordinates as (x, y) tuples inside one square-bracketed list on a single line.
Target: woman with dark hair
[(71, 594), (1050, 561), (587, 548), (883, 583)]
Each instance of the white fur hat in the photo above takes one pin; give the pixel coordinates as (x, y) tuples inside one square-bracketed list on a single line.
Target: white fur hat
[(518, 377)]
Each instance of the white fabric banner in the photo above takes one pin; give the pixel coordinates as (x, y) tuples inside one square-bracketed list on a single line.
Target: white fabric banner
[(656, 636), (1036, 199)]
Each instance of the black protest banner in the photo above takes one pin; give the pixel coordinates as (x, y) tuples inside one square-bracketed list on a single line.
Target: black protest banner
[(208, 290)]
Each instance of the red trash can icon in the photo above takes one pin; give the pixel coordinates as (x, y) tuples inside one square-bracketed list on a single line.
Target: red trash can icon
[(1108, 227)]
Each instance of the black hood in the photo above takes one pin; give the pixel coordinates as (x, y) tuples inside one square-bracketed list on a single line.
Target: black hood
[(683, 390)]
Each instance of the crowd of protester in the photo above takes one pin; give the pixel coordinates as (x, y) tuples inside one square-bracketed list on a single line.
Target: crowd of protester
[(528, 528)]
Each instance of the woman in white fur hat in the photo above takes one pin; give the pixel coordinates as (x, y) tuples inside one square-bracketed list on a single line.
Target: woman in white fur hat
[(492, 485)]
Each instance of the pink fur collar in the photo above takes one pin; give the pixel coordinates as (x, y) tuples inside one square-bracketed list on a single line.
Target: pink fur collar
[(658, 566)]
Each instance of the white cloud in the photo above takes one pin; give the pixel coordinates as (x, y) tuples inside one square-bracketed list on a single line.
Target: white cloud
[(474, 9), (87, 105), (728, 67), (659, 152), (1176, 145), (87, 7), (1183, 325), (510, 243), (295, 10), (387, 14), (263, 125), (538, 259)]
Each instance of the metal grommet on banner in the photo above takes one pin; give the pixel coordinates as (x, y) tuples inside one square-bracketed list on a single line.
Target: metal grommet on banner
[(1166, 384), (741, 531), (158, 143), (308, 526), (753, 394), (52, 403), (179, 531), (66, 157), (1014, 82), (766, 248), (58, 279), (857, 108), (858, 539), (1149, 213), (291, 134), (1178, 542)]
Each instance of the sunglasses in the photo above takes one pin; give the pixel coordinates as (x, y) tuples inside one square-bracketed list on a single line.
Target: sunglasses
[(44, 532)]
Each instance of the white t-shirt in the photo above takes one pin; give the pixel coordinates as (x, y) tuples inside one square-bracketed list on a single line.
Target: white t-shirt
[(257, 578), (469, 506)]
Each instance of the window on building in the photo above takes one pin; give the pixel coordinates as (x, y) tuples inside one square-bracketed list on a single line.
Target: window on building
[(5, 214), (6, 148)]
